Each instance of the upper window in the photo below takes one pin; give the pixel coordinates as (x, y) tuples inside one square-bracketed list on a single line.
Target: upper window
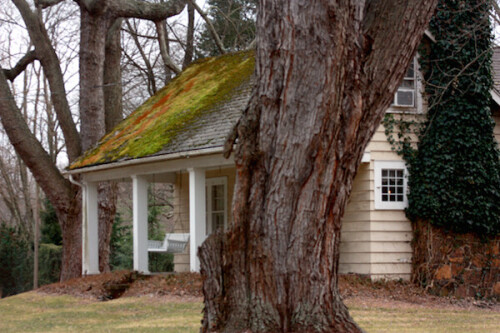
[(216, 204), (390, 185), (405, 96)]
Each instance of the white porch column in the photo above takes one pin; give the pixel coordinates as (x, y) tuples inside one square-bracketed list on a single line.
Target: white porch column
[(140, 223), (197, 219), (90, 235)]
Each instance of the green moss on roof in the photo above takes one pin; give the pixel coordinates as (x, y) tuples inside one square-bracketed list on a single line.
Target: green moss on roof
[(155, 123)]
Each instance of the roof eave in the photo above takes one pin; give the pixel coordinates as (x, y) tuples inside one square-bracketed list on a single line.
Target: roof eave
[(145, 160)]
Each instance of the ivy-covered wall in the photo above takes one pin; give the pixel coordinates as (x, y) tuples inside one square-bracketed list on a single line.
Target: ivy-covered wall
[(455, 170)]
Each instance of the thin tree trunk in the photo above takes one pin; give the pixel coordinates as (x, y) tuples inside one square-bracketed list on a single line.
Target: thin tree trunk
[(301, 140), (36, 236), (108, 193), (188, 52)]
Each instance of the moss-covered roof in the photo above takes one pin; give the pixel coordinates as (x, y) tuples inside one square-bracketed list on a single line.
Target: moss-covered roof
[(195, 110)]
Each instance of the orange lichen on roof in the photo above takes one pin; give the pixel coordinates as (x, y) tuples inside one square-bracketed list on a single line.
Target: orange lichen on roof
[(155, 123)]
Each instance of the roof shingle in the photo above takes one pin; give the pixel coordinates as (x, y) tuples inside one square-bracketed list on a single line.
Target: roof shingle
[(196, 110)]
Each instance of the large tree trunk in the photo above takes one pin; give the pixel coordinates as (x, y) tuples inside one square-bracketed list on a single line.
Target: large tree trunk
[(93, 31), (325, 71)]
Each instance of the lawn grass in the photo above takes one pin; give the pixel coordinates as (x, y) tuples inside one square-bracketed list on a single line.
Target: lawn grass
[(32, 312)]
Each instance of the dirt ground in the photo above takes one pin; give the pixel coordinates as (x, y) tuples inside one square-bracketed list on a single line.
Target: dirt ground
[(354, 289)]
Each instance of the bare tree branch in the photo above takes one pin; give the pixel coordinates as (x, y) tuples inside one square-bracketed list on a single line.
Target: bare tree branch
[(496, 9), (29, 148), (210, 26), (51, 66), (188, 54), (149, 68), (162, 40), (146, 10), (46, 3), (21, 65)]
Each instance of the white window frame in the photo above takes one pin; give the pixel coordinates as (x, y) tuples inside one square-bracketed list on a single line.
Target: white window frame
[(210, 182), (390, 205), (412, 90)]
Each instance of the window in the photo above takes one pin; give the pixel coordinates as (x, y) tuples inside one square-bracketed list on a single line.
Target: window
[(390, 185), (405, 96), (216, 194)]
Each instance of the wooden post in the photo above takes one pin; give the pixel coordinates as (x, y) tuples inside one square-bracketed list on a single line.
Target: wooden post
[(90, 235), (140, 224), (197, 212)]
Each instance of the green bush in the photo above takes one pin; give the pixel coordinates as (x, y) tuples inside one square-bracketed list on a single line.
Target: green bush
[(50, 228), (16, 262), (49, 256), (121, 245)]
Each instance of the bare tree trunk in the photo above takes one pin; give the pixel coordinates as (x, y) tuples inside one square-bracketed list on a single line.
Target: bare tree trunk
[(113, 114), (36, 235), (188, 53), (326, 71), (71, 227), (93, 32), (113, 107), (107, 210)]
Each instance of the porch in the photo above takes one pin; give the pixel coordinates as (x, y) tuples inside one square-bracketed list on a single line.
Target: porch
[(198, 178)]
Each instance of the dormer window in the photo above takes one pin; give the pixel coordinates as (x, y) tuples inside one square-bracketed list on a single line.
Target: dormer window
[(405, 96)]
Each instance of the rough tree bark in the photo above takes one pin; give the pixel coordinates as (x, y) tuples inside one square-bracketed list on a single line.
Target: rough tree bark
[(325, 73), (113, 107)]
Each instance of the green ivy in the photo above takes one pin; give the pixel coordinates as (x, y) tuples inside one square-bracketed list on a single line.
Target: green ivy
[(455, 172)]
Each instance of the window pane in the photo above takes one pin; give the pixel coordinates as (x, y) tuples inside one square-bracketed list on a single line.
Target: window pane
[(410, 72), (217, 221), (392, 185), (409, 84), (218, 191), (217, 204)]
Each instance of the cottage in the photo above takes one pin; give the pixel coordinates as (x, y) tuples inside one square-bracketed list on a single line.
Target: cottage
[(177, 137)]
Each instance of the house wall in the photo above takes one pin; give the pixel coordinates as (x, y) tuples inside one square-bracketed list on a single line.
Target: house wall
[(496, 130), (390, 230), (181, 207), (373, 242)]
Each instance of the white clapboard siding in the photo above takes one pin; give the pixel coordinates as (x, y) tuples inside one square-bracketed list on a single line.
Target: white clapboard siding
[(375, 242)]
